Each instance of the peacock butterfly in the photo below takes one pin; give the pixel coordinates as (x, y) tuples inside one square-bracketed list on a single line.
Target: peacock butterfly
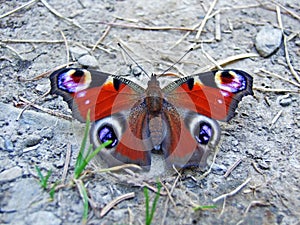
[(178, 118)]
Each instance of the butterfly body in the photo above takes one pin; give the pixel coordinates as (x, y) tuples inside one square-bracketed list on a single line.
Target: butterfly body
[(178, 119)]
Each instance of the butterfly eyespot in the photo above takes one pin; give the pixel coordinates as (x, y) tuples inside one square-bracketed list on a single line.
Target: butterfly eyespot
[(205, 133), (230, 81), (107, 133), (74, 80)]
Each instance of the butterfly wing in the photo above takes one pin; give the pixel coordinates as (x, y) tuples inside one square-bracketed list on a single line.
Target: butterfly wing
[(214, 94), (115, 109), (200, 100)]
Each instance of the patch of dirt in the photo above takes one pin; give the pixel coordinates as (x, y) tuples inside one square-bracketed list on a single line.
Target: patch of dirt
[(263, 136)]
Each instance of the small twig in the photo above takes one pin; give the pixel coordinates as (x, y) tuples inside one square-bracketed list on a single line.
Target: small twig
[(117, 168), (280, 77), (147, 28), (56, 13), (231, 168), (205, 19), (46, 110), (47, 73), (12, 49), (228, 60), (185, 36), (32, 41), (17, 9), (287, 10), (233, 192), (275, 90), (67, 47), (30, 104), (218, 27), (169, 193), (276, 117), (287, 56), (130, 215), (255, 203), (108, 28), (256, 168), (154, 189), (210, 167), (116, 201), (67, 162), (211, 59)]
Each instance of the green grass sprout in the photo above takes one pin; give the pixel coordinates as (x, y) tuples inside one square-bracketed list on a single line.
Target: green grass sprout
[(150, 214), (43, 180), (84, 158)]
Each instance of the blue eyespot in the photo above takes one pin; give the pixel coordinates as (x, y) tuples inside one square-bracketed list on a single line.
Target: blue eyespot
[(205, 133), (107, 133)]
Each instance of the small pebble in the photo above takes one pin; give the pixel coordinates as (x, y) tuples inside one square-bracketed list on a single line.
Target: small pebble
[(8, 145), (10, 174), (285, 100), (42, 88), (268, 40), (88, 61), (32, 140), (219, 169), (77, 52)]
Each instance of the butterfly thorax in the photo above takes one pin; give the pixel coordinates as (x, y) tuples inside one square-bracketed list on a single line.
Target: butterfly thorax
[(154, 96)]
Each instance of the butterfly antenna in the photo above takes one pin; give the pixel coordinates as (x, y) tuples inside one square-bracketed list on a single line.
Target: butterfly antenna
[(132, 59), (187, 52)]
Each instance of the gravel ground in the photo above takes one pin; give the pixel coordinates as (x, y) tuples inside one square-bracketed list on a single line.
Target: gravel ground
[(263, 136)]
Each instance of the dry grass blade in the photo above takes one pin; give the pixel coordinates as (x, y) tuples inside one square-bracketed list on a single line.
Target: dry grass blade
[(67, 47), (129, 26), (205, 19), (103, 36), (280, 77), (170, 197), (233, 192), (287, 10), (228, 60), (287, 56), (255, 203), (46, 110), (32, 41), (12, 49), (231, 168), (67, 162), (116, 201), (276, 117), (275, 90), (46, 74), (218, 27), (56, 13), (17, 9), (210, 167), (117, 168)]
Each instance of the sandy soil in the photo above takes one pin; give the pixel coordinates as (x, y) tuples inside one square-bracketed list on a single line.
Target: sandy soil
[(263, 136)]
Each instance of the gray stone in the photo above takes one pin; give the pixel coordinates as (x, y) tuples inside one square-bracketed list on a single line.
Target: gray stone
[(8, 145), (77, 52), (10, 174), (32, 140), (88, 60), (285, 100), (21, 195), (218, 169), (268, 40)]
